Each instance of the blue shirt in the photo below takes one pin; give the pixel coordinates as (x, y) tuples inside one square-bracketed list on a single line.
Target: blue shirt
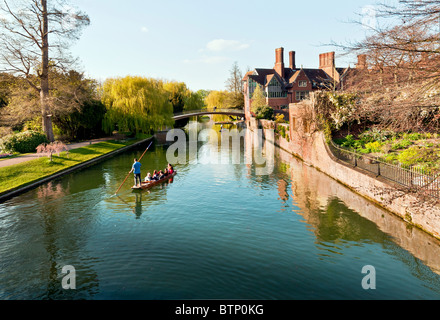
[(137, 167)]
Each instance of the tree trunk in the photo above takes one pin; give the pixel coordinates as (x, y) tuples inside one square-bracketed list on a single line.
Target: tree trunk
[(44, 77)]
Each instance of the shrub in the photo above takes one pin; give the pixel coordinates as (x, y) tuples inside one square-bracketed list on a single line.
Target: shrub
[(375, 134), (23, 142), (413, 136), (371, 147), (264, 112), (403, 144), (279, 118)]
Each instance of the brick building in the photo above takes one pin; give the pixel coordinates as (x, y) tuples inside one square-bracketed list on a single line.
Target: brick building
[(284, 85)]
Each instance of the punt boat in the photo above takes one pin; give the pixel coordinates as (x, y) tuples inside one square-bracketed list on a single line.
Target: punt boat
[(150, 184)]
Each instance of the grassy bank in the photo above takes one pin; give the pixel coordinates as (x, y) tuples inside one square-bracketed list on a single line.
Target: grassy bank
[(22, 174)]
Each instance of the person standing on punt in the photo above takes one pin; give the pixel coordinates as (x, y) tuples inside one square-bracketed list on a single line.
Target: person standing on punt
[(136, 169)]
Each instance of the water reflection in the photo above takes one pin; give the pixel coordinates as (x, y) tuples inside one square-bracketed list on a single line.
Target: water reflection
[(293, 233), (339, 218)]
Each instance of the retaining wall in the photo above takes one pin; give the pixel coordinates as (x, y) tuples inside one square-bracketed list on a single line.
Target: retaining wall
[(310, 146)]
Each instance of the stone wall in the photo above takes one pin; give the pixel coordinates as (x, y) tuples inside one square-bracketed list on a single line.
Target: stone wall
[(310, 146)]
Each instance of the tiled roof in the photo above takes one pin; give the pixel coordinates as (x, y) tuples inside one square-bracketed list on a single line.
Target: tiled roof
[(318, 77)]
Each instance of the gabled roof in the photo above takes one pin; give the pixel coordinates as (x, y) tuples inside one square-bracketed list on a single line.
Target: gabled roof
[(246, 76), (318, 77)]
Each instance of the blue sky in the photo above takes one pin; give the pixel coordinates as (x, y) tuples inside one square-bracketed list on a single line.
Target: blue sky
[(197, 42)]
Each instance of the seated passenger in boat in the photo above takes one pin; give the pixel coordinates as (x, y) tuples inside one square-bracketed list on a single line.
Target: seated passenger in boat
[(165, 172), (155, 176), (148, 178), (161, 176), (170, 169)]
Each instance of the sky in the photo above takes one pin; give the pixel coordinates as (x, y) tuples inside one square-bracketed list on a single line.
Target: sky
[(197, 42)]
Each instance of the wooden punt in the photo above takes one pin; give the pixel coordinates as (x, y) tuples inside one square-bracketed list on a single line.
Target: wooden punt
[(148, 185)]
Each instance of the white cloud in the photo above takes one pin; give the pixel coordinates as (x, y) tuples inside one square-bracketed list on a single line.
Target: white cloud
[(208, 60), (144, 29), (226, 45)]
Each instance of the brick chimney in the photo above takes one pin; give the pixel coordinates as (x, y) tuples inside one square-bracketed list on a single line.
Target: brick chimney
[(327, 64), (362, 61), (327, 60), (292, 64), (279, 61)]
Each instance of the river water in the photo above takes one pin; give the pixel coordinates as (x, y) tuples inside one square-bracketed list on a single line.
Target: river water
[(218, 231)]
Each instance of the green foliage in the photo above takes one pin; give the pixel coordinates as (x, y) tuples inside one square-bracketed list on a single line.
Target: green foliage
[(216, 99), (279, 118), (264, 112), (418, 154), (372, 147), (283, 131), (23, 142), (402, 144), (182, 98), (350, 142), (84, 123), (415, 136), (136, 104), (258, 99), (194, 101)]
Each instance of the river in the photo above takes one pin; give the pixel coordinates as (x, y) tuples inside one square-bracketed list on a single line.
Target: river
[(219, 230)]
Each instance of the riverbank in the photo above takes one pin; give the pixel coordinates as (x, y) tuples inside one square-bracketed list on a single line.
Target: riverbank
[(19, 177), (310, 146)]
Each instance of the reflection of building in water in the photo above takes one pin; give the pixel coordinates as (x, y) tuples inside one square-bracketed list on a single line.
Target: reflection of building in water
[(282, 190), (336, 213)]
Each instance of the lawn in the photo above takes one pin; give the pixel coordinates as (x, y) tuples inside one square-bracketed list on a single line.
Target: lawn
[(27, 172)]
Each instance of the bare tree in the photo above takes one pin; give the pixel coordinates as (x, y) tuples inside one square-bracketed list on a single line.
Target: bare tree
[(34, 35), (399, 84), (234, 86)]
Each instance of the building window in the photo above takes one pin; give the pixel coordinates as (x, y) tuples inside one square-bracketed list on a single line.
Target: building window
[(301, 95), (251, 85), (274, 90), (277, 94), (302, 83)]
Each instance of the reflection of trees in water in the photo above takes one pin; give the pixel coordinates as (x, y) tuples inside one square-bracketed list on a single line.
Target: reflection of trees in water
[(338, 222), (62, 239)]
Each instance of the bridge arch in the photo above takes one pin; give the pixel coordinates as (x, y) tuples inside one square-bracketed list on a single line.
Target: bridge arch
[(193, 113)]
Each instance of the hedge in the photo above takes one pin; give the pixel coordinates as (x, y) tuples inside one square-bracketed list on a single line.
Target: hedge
[(23, 142)]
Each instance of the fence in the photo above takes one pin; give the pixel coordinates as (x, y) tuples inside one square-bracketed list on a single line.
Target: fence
[(412, 178)]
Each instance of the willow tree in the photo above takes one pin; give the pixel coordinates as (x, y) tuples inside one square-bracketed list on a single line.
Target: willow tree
[(216, 99), (136, 104), (33, 35)]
